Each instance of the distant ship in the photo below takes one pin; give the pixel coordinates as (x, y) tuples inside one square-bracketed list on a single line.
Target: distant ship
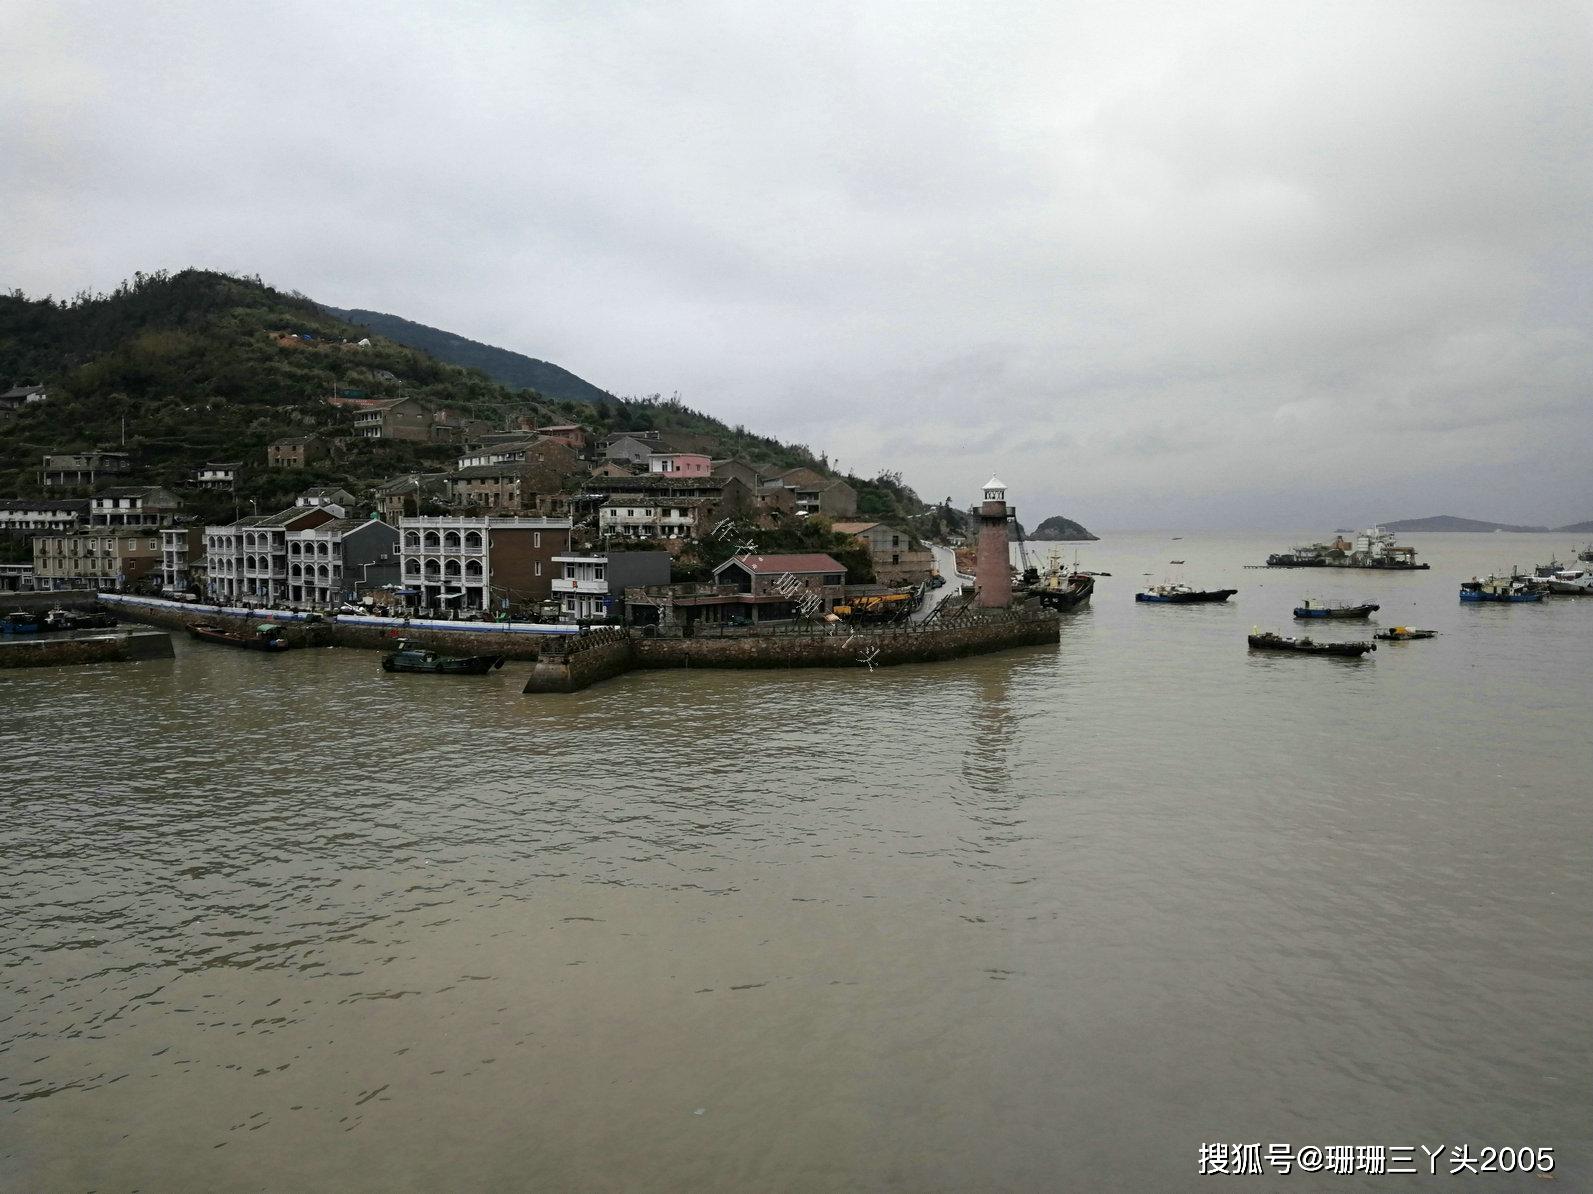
[(1373, 548)]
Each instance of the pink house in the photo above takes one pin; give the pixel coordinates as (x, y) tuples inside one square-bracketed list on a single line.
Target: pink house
[(680, 464)]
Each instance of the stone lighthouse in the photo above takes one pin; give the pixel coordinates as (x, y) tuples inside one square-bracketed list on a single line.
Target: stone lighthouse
[(993, 569)]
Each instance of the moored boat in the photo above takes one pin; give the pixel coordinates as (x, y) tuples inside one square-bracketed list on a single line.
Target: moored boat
[(20, 622), (69, 619), (1268, 641), (1182, 595), (1307, 610), (418, 659), (1068, 591), (1403, 634), (1504, 589), (1571, 582), (265, 637)]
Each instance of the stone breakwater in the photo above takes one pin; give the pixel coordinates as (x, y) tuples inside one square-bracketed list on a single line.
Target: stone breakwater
[(568, 660), (97, 646), (574, 665)]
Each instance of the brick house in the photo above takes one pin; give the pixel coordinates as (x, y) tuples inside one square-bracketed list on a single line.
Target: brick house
[(134, 506)]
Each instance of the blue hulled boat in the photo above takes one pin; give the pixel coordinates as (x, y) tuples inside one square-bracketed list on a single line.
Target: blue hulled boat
[(1499, 588), (1307, 610)]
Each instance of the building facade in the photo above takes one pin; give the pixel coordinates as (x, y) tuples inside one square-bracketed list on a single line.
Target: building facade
[(590, 587), (479, 562), (297, 451), (181, 549), (134, 506), (82, 470), (898, 558), (43, 514), (112, 558), (644, 516), (332, 562), (248, 560)]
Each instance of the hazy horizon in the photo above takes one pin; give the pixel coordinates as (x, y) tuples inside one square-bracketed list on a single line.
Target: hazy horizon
[(1218, 267)]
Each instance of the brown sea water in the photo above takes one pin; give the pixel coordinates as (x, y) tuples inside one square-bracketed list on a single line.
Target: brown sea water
[(1043, 920)]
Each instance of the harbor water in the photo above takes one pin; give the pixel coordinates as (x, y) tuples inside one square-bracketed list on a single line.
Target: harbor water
[(1045, 920)]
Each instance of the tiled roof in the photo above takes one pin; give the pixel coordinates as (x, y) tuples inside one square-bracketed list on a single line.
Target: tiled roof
[(75, 505), (795, 563), (852, 528)]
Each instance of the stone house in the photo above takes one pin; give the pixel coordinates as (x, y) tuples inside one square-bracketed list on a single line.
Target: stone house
[(296, 451), (898, 558)]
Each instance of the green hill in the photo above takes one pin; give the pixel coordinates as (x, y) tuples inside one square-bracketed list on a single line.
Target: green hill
[(511, 369), (181, 369)]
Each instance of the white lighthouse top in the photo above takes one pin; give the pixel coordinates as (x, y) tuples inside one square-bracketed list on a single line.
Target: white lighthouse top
[(995, 489)]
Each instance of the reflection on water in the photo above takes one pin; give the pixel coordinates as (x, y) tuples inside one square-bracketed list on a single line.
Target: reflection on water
[(996, 924)]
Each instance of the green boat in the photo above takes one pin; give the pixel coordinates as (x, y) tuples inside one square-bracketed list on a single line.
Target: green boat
[(417, 659)]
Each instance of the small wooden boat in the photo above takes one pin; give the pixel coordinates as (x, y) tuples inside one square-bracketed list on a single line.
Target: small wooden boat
[(1308, 610), (1268, 641), (417, 659), (265, 637), (1182, 595), (1403, 634)]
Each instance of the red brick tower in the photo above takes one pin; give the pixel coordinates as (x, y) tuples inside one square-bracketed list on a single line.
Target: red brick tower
[(993, 571)]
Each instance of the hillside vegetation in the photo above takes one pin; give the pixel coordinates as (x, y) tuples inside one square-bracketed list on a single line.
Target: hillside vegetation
[(185, 368)]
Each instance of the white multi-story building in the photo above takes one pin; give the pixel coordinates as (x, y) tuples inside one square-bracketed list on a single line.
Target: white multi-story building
[(589, 587), (468, 562)]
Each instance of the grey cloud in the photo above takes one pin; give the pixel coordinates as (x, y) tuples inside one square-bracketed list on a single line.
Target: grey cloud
[(1157, 263)]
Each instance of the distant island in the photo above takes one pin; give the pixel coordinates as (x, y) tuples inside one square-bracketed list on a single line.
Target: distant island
[(1059, 529), (1449, 522)]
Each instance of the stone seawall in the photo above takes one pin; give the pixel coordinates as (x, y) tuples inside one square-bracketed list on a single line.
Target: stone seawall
[(364, 633), (569, 662), (57, 650), (882, 648)]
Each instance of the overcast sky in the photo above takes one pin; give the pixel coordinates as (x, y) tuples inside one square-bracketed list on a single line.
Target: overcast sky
[(1181, 265)]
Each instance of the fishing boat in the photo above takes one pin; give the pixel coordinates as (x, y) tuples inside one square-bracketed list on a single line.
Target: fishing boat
[(266, 636), (1182, 595), (20, 622), (1571, 582), (1403, 634), (1307, 610), (69, 619), (1058, 587), (417, 659), (1268, 641), (1507, 589)]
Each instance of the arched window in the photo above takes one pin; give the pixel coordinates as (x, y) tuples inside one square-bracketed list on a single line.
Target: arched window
[(295, 570), (293, 548), (451, 541), (473, 568), (433, 568), (323, 548), (412, 540), (472, 540), (431, 541), (451, 568), (412, 567), (321, 571)]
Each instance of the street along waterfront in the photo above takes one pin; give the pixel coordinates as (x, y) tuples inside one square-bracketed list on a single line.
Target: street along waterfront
[(1044, 919)]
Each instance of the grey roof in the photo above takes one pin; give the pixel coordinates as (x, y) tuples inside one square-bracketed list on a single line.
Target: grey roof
[(132, 491), (75, 505), (22, 391)]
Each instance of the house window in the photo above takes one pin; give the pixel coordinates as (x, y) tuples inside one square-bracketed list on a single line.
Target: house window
[(536, 541), (539, 568)]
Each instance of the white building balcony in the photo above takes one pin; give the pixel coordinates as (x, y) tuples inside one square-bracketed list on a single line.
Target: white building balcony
[(568, 584)]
